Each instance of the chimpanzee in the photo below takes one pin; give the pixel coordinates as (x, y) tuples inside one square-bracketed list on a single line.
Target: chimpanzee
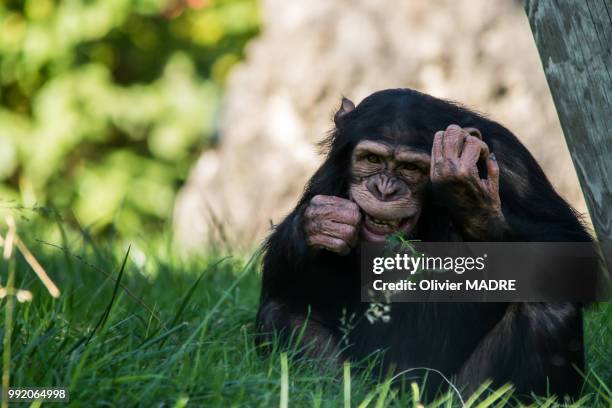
[(406, 162)]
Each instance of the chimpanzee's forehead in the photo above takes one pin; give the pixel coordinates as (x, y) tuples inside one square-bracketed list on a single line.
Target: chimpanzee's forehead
[(415, 146), (394, 135), (397, 133), (384, 148)]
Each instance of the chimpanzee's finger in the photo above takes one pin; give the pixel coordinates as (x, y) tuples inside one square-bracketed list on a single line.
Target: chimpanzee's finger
[(436, 151), (472, 151), (337, 230), (345, 215), (330, 243), (452, 144), (344, 211), (473, 132), (493, 175), (484, 152), (321, 199)]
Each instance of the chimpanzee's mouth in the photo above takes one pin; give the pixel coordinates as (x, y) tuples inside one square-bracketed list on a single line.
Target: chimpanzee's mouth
[(376, 230)]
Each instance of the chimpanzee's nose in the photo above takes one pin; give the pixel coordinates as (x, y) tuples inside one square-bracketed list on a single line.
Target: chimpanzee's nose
[(385, 189)]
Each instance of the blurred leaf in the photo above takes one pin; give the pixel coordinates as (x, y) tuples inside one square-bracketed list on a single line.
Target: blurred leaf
[(104, 103)]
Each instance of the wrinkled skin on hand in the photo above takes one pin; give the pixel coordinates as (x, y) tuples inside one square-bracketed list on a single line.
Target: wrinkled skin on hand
[(332, 223), (474, 202)]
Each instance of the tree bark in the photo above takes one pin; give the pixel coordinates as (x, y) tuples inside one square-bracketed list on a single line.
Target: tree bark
[(574, 39)]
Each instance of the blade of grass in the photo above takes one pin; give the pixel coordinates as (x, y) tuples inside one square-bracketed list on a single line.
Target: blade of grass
[(384, 390), (8, 329), (107, 311), (503, 402), (448, 397), (495, 396), (366, 401), (181, 402), (284, 393), (203, 326), (482, 388), (37, 268), (599, 386), (108, 275), (416, 395), (188, 295), (347, 384), (162, 337), (60, 225), (582, 402), (548, 403), (135, 378)]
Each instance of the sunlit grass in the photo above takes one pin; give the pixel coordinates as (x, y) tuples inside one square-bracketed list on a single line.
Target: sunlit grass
[(146, 328)]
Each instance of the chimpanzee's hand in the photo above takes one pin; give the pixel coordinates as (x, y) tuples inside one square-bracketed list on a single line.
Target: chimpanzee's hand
[(474, 202), (332, 223)]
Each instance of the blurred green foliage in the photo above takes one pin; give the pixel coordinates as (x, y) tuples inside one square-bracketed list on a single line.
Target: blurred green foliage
[(104, 104)]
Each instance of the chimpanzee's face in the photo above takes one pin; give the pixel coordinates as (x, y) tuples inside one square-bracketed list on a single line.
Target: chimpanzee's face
[(388, 184)]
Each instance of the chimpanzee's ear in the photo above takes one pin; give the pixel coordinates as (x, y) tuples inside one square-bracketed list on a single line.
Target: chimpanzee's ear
[(345, 107)]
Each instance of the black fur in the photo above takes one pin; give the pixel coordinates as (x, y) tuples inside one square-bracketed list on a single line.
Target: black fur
[(534, 346)]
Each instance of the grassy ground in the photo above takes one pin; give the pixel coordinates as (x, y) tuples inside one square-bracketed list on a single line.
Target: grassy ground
[(175, 333)]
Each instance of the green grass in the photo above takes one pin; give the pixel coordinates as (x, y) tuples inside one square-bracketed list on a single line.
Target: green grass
[(179, 333)]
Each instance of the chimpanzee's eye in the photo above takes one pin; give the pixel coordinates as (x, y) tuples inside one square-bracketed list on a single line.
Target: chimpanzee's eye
[(372, 158), (409, 166)]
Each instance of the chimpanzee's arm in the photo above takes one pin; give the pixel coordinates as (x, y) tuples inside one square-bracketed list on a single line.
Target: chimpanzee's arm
[(305, 246), (305, 330), (292, 277), (474, 203), (536, 346), (286, 255)]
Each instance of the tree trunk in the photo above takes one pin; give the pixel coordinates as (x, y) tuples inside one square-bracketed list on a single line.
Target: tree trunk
[(574, 39)]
